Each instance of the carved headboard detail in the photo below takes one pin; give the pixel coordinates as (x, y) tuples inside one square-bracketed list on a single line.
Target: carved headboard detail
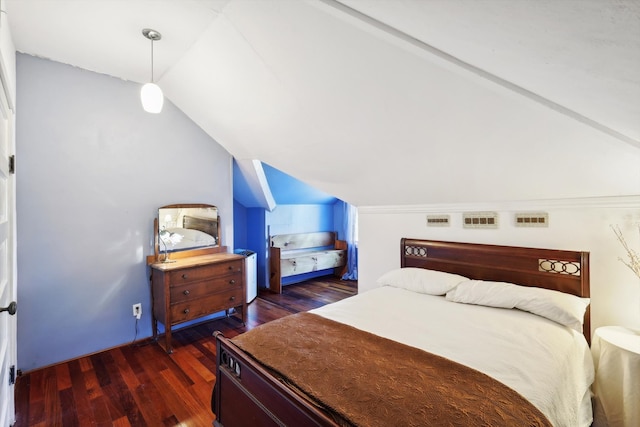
[(560, 270)]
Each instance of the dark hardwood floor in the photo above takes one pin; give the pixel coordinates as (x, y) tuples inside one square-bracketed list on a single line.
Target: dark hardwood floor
[(141, 385)]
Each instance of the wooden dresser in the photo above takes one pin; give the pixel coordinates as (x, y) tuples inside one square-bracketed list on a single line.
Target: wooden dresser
[(196, 286)]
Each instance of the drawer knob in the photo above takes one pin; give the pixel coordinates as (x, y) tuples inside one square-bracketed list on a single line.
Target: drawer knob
[(187, 292), (231, 267), (233, 298), (232, 281), (184, 276), (186, 311)]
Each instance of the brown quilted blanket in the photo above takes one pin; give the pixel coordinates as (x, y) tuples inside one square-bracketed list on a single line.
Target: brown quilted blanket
[(372, 381)]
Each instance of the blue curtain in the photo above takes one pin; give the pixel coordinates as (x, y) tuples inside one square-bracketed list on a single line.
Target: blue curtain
[(350, 226)]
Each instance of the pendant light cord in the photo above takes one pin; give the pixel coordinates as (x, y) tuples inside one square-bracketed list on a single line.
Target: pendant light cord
[(153, 36), (152, 61)]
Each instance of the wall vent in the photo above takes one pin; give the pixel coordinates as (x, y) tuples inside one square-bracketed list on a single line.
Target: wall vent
[(438, 221), (480, 220), (532, 219)]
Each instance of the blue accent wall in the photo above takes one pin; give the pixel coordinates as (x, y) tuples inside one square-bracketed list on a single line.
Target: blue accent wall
[(93, 170), (239, 225), (290, 219), (300, 208), (258, 224), (288, 190)]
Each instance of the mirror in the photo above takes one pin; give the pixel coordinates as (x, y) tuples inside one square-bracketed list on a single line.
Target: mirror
[(187, 227)]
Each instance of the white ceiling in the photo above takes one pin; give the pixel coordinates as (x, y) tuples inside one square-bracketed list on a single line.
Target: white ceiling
[(376, 101)]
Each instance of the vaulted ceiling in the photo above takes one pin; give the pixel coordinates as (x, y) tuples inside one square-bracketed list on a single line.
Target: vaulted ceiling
[(383, 102)]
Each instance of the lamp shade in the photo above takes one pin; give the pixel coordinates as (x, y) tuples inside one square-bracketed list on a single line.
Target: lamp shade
[(152, 98)]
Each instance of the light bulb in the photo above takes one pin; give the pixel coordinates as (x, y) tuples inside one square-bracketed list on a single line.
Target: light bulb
[(152, 98)]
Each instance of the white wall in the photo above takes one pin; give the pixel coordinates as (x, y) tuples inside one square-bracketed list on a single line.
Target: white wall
[(93, 168), (573, 225), (8, 62)]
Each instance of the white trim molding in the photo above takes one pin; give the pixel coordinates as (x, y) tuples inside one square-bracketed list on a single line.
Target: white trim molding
[(613, 202)]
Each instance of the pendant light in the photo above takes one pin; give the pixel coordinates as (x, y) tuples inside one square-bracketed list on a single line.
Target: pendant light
[(151, 94)]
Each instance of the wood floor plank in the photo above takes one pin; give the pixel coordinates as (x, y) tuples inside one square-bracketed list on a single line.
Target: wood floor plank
[(85, 364), (122, 422), (81, 402), (36, 413), (126, 372), (189, 406), (134, 402), (22, 400), (52, 408), (146, 404), (141, 385), (153, 399), (192, 367), (36, 391), (69, 414), (109, 380), (101, 415), (121, 399), (170, 422), (62, 376), (92, 384)]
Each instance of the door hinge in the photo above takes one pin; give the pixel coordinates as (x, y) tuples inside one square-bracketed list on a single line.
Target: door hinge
[(12, 164), (12, 375)]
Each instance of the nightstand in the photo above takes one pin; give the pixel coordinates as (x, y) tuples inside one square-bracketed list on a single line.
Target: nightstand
[(616, 355)]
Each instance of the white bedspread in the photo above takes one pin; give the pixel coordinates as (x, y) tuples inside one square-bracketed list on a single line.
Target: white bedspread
[(547, 363)]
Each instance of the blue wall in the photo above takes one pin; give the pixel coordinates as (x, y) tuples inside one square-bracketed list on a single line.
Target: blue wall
[(93, 170), (290, 219), (300, 208), (239, 225), (259, 224), (287, 190)]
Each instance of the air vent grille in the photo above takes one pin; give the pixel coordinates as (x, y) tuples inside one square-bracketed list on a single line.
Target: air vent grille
[(480, 220), (532, 219), (438, 220)]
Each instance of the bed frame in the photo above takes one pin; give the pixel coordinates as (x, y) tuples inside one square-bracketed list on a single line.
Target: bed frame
[(246, 394), (206, 225), (293, 254)]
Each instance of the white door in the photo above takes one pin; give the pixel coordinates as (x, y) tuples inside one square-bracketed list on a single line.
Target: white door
[(8, 351)]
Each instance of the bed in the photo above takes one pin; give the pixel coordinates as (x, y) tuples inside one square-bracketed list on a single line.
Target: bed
[(195, 233), (294, 254), (437, 343), (209, 226)]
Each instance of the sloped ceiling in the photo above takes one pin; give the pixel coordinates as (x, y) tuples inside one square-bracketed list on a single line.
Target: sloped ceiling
[(258, 185), (384, 102)]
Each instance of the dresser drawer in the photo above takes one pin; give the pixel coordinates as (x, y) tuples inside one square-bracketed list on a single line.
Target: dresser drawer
[(193, 309), (196, 290), (196, 274)]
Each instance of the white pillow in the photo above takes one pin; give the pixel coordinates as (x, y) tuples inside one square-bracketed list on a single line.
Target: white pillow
[(421, 280), (192, 235), (562, 308)]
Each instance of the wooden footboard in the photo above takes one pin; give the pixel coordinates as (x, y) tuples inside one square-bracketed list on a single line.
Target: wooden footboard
[(247, 395)]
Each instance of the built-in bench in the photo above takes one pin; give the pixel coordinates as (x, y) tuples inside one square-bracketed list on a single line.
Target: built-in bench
[(292, 254)]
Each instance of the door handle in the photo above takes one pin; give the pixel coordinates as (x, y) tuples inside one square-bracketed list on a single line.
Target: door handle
[(11, 308)]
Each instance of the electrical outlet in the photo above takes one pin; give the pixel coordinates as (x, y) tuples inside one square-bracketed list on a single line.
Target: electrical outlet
[(137, 310)]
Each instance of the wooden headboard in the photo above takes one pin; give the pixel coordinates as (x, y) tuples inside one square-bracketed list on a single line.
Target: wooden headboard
[(565, 271), (206, 225)]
